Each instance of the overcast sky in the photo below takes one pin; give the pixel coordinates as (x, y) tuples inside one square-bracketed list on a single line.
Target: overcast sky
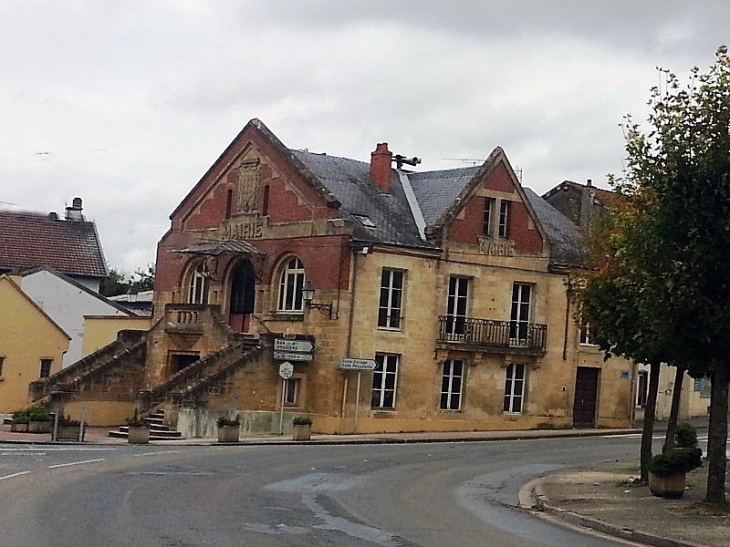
[(127, 103)]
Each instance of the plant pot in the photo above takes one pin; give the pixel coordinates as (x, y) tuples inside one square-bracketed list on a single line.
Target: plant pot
[(19, 427), (39, 427), (228, 433), (68, 432), (669, 486), (138, 434), (301, 432)]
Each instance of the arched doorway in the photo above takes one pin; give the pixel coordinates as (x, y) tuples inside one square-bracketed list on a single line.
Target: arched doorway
[(243, 283)]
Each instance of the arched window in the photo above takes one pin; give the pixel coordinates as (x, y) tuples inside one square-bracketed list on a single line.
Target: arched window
[(290, 286), (199, 286)]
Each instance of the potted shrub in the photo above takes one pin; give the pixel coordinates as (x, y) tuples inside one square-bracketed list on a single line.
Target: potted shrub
[(301, 428), (228, 429), (139, 430), (668, 471), (21, 418), (39, 420), (68, 429)]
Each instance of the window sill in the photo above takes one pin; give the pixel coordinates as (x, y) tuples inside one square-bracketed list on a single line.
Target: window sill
[(382, 412), (286, 316), (389, 329)]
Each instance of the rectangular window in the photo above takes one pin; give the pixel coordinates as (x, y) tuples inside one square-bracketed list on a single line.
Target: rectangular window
[(503, 218), (514, 388), (487, 224), (290, 286), (391, 299), (291, 391), (451, 385), (456, 305), (385, 379), (520, 314), (46, 367), (2, 360), (585, 335)]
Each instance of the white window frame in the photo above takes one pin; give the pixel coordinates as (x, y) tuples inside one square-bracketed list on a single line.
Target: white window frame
[(390, 305), (503, 224), (488, 220), (521, 313), (452, 385), (199, 287), (291, 283), (292, 391), (387, 368), (457, 305), (515, 379), (584, 336)]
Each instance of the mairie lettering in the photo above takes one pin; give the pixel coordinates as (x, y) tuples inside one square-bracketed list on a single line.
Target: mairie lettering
[(243, 230), (496, 247)]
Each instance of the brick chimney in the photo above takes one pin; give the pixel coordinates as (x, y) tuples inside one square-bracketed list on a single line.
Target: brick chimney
[(75, 211), (589, 183), (380, 161)]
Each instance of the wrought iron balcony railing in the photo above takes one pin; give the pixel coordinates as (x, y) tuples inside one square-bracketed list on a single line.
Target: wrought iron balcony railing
[(508, 336)]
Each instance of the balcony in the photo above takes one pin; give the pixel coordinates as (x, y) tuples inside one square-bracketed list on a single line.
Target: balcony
[(189, 318), (487, 335)]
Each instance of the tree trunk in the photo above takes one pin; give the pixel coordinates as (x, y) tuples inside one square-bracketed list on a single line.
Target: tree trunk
[(717, 436), (648, 431), (674, 412)]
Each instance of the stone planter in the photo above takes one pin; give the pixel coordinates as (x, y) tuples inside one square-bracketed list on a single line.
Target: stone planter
[(68, 432), (19, 427), (39, 427), (670, 486), (138, 434), (301, 432), (228, 433)]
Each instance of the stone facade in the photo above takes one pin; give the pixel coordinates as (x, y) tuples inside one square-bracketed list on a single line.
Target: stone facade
[(470, 322)]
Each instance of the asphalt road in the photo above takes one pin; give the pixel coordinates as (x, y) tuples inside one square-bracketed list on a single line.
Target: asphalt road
[(440, 494)]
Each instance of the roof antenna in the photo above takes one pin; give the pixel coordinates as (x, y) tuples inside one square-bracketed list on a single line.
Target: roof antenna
[(400, 160)]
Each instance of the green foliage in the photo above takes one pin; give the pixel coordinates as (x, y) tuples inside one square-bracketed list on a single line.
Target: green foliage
[(66, 421), (37, 414), (21, 416), (225, 420), (678, 460), (120, 282), (302, 420), (685, 436)]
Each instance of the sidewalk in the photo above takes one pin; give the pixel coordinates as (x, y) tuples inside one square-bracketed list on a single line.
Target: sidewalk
[(603, 498)]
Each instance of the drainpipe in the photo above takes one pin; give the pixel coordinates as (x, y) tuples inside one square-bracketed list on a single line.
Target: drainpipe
[(348, 345)]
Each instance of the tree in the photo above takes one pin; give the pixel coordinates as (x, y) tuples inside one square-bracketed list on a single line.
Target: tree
[(677, 183), (120, 282)]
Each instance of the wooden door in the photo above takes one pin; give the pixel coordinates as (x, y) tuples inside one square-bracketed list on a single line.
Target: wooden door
[(586, 395)]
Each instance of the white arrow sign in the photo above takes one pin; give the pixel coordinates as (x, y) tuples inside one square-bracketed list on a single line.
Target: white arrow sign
[(292, 356), (293, 345), (357, 364), (286, 370)]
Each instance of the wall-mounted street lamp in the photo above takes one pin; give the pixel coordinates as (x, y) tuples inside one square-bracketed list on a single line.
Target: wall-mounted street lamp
[(308, 296)]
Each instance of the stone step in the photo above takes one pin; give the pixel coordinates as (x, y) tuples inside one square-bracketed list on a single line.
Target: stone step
[(153, 437), (157, 432)]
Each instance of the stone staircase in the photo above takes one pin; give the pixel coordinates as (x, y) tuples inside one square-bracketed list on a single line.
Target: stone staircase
[(194, 383), (158, 430), (98, 372)]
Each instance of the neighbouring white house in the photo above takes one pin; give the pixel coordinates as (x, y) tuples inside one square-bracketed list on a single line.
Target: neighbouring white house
[(68, 302)]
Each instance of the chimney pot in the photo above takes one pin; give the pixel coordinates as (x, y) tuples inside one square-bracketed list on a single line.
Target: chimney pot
[(589, 183), (380, 161), (74, 212)]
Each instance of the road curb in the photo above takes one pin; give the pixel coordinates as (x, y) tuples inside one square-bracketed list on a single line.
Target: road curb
[(533, 499)]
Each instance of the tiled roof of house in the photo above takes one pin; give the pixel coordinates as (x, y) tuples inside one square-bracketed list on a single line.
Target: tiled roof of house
[(606, 197), (29, 240), (437, 190)]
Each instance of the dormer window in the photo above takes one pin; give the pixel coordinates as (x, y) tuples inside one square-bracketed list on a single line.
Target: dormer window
[(365, 221)]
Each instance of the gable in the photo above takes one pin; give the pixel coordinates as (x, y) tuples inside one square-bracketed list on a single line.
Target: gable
[(23, 318), (255, 182), (495, 188)]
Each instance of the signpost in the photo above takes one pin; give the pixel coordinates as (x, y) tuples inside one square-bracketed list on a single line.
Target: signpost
[(292, 356), (280, 344), (286, 371), (357, 364), (347, 363)]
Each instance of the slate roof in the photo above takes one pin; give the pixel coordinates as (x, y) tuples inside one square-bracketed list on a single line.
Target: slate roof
[(564, 237), (349, 181), (437, 190), (30, 240)]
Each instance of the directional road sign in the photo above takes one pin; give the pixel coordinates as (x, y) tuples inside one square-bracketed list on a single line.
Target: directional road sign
[(280, 344), (357, 364), (292, 356)]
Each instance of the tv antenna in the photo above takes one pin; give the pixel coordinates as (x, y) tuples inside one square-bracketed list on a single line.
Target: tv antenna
[(473, 161)]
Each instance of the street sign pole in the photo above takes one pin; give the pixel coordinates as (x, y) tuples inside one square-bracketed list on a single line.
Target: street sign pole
[(286, 371), (357, 402), (281, 412), (344, 404)]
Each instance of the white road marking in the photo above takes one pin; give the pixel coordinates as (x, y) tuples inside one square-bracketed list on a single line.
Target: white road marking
[(27, 453), (75, 463), (156, 453), (14, 475)]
